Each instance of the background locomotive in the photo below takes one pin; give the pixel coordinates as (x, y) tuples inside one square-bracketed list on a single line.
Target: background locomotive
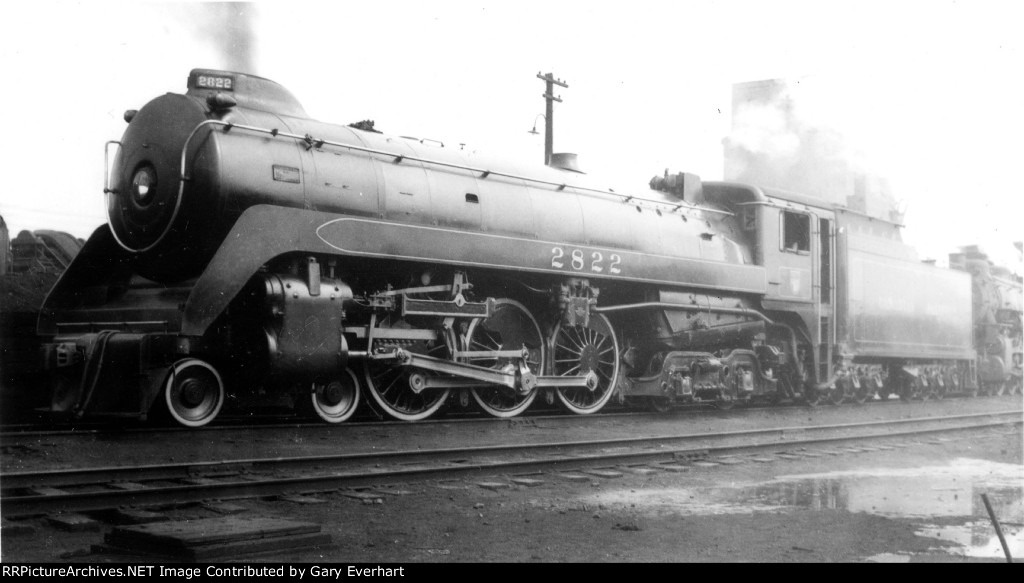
[(30, 264), (254, 252)]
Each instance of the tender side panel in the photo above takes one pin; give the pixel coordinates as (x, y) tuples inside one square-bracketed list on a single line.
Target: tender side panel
[(897, 307)]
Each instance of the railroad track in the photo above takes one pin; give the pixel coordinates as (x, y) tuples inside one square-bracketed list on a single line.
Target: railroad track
[(47, 492), (11, 433), (57, 428)]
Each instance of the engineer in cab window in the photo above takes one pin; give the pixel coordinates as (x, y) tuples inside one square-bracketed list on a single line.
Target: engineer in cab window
[(796, 233)]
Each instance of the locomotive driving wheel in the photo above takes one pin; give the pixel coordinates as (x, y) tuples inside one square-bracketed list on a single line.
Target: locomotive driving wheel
[(388, 382), (509, 327), (194, 392), (335, 401), (578, 350)]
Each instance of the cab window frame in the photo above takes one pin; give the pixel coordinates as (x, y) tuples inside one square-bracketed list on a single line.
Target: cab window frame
[(794, 232)]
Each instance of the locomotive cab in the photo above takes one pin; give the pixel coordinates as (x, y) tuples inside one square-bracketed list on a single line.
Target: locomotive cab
[(792, 236)]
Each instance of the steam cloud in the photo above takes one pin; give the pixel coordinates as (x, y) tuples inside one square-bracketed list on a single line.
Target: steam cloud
[(776, 141), (230, 27)]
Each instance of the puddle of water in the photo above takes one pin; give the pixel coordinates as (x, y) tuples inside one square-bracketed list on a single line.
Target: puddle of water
[(977, 539), (889, 558), (949, 495)]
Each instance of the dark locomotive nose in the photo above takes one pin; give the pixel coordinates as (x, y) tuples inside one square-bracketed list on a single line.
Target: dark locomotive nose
[(146, 201)]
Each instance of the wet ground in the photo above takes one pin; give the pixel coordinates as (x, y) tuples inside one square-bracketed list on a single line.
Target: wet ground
[(918, 501), (942, 499)]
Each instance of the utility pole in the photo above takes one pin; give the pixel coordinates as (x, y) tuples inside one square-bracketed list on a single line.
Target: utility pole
[(549, 114)]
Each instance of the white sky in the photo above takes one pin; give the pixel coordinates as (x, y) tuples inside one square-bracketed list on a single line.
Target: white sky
[(931, 92)]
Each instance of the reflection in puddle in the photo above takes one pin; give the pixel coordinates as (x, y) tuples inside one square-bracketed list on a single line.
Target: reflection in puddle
[(890, 558), (948, 494)]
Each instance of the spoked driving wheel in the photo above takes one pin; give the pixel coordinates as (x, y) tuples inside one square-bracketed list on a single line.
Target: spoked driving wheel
[(579, 350), (335, 401), (194, 392), (388, 382), (510, 327)]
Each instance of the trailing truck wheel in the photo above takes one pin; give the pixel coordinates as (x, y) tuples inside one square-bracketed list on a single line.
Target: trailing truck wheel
[(729, 394), (659, 404), (194, 393), (725, 401), (510, 327), (812, 396), (578, 350), (336, 400)]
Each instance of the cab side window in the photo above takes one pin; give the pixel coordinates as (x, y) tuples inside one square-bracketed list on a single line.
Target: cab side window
[(796, 232)]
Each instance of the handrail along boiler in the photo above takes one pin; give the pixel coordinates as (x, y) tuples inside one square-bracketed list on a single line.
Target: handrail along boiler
[(253, 252)]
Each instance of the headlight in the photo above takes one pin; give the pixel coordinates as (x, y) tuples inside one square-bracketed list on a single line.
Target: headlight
[(143, 185)]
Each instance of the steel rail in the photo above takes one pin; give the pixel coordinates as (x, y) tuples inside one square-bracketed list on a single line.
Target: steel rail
[(189, 469), (540, 457), (227, 423)]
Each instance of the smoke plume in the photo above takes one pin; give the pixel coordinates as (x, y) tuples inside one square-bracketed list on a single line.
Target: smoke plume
[(781, 138), (230, 29)]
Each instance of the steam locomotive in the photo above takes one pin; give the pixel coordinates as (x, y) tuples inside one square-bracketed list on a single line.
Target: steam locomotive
[(254, 253)]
